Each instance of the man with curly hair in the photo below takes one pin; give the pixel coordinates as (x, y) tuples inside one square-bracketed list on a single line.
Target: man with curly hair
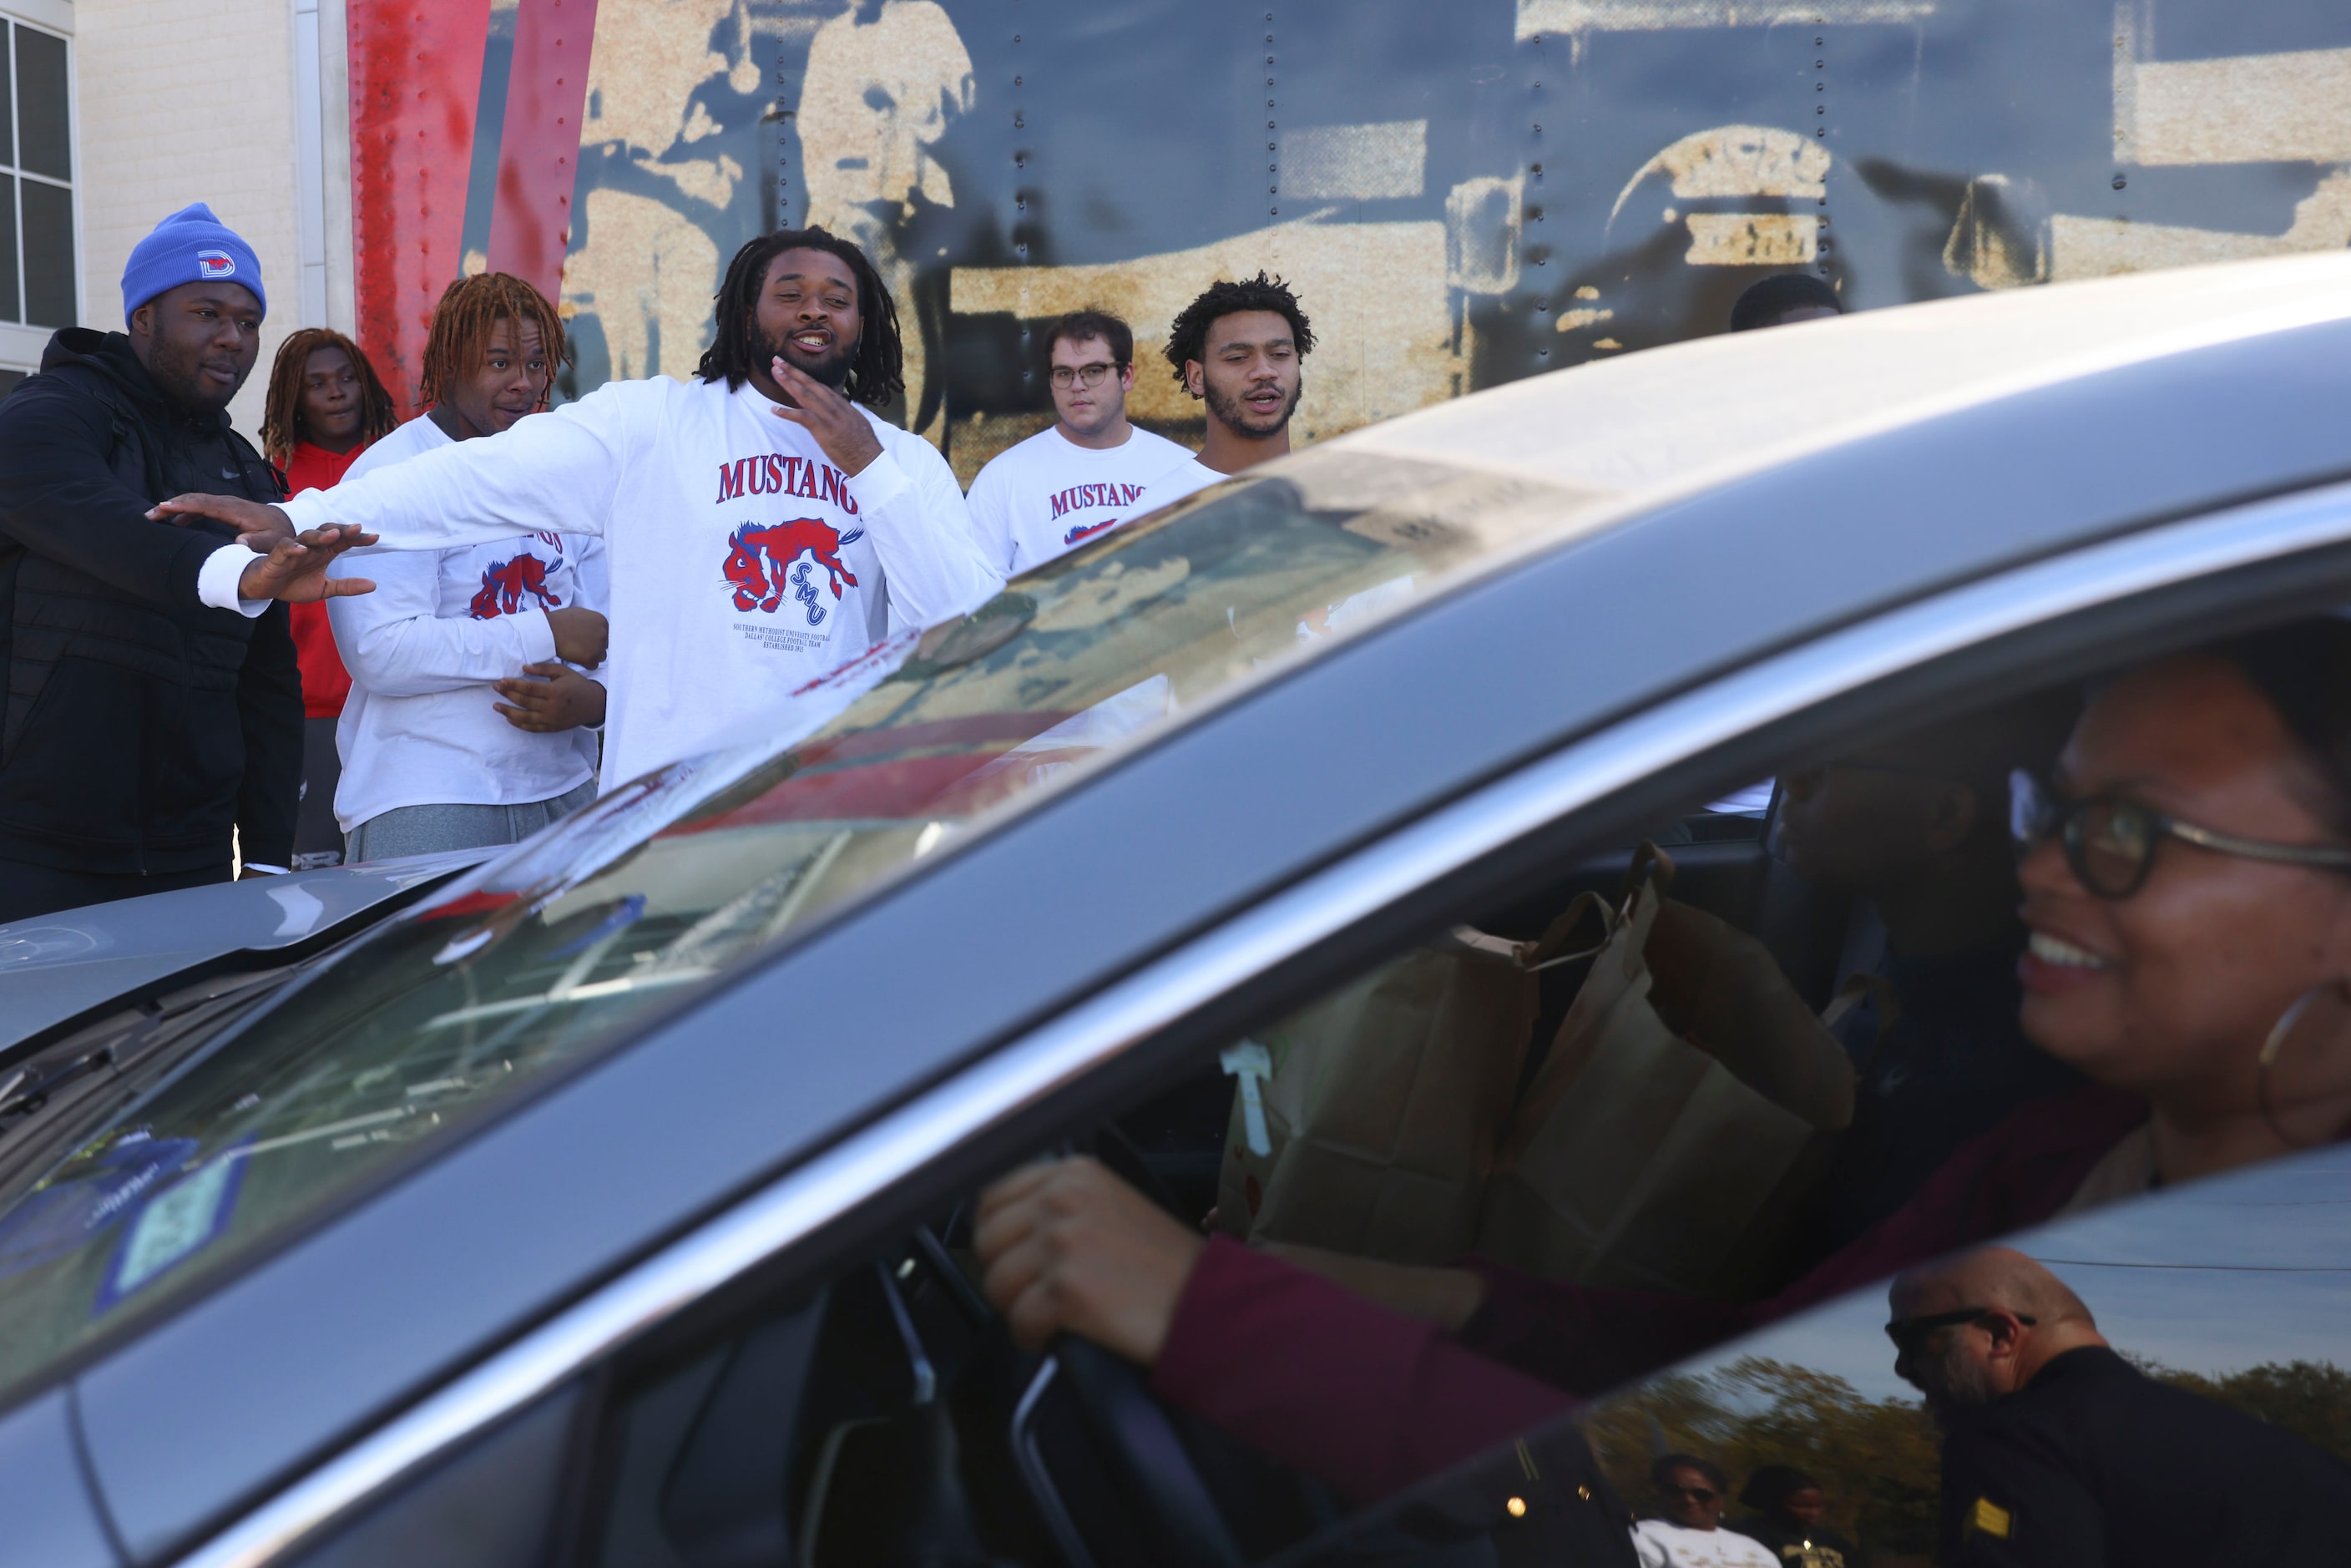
[(1239, 348), (762, 525)]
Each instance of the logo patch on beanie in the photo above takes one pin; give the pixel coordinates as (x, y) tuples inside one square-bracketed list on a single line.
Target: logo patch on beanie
[(214, 265)]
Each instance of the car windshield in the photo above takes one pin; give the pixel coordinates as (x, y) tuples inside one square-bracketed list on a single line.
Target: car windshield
[(672, 878)]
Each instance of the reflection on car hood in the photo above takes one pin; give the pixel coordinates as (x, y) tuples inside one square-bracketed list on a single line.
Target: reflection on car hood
[(55, 967)]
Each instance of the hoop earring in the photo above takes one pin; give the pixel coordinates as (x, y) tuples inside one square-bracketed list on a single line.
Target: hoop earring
[(2270, 1047)]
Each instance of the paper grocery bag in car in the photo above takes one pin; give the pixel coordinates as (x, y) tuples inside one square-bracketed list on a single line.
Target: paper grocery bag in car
[(1679, 1114), (1367, 1123)]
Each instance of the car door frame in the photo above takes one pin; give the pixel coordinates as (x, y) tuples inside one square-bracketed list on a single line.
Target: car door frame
[(2070, 610)]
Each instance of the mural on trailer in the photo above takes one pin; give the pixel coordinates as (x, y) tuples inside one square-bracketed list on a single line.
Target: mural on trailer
[(1462, 194)]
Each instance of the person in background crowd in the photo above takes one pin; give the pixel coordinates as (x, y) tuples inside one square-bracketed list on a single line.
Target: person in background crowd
[(1789, 1508), (2190, 952), (764, 527), (153, 717), (1918, 828), (1240, 348), (326, 404), (2058, 1453), (434, 760), (1689, 1533), (1080, 478), (1783, 299)]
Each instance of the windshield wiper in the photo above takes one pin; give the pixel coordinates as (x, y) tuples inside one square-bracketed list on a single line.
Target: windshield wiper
[(30, 1090), (25, 1093)]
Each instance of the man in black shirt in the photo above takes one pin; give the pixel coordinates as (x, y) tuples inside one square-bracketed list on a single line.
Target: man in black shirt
[(2060, 1454), (152, 704)]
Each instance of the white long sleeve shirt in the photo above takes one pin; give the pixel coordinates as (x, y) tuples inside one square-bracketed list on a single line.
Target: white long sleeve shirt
[(1661, 1544), (1048, 494), (421, 727), (743, 564)]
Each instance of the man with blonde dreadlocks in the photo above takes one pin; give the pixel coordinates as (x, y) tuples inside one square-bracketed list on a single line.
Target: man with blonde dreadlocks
[(470, 720), (765, 527)]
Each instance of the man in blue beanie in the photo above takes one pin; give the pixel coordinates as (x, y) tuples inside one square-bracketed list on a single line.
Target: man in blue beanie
[(152, 699)]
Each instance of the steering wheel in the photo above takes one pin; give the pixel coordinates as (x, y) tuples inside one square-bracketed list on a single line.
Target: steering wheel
[(1133, 1430), (1125, 1422)]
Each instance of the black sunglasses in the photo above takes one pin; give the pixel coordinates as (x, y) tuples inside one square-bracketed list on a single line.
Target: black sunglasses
[(1702, 1494), (1905, 1333), (2110, 842)]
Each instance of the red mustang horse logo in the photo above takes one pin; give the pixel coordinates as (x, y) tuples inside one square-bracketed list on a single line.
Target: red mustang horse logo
[(763, 563), (506, 585)]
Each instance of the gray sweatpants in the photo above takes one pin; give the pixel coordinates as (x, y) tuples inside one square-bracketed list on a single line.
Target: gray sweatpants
[(431, 829)]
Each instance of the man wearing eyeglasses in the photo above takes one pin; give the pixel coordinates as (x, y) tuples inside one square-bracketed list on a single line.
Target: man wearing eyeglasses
[(1082, 478), (1689, 1533), (2060, 1454)]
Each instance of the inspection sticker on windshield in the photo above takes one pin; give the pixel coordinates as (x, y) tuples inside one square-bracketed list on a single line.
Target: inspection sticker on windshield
[(174, 1225)]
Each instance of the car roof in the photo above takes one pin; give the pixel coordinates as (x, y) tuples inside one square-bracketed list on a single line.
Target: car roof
[(1245, 798), (1672, 423)]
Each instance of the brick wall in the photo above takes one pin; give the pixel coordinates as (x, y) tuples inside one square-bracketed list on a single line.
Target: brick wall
[(189, 101)]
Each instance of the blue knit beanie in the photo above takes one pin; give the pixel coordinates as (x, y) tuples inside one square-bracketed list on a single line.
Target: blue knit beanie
[(190, 246)]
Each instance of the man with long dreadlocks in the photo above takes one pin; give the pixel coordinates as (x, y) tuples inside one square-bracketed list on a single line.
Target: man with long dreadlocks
[(764, 526), (433, 758)]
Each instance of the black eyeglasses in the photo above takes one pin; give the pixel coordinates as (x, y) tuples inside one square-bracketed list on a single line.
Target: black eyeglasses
[(1699, 1494), (1906, 1333), (1067, 376), (2110, 844)]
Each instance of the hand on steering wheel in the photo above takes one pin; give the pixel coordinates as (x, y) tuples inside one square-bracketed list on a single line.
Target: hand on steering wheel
[(1067, 1247), (1083, 1265)]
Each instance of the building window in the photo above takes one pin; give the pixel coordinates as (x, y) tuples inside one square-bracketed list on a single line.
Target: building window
[(37, 217)]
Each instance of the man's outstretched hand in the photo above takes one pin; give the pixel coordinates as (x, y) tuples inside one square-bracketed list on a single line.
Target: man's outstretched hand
[(294, 570), (285, 566), (1067, 1246), (258, 526)]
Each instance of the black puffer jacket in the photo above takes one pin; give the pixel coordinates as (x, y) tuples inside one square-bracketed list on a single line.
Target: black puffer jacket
[(138, 725)]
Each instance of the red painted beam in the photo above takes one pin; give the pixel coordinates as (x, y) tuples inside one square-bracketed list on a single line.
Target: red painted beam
[(538, 151), (415, 81)]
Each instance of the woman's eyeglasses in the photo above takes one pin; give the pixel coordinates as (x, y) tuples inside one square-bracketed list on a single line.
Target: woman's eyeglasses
[(2110, 844), (1696, 1494), (1067, 376)]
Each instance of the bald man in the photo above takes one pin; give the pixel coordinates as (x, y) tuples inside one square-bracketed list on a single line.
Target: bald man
[(2060, 1454)]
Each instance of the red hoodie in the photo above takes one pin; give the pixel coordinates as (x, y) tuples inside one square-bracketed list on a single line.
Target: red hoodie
[(325, 682)]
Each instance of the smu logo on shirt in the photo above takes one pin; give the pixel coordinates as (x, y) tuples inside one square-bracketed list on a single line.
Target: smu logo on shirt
[(1081, 533), (212, 266), (776, 475), (506, 585), (1085, 498), (763, 562)]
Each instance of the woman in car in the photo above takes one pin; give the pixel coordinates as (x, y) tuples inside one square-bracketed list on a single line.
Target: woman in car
[(2186, 890)]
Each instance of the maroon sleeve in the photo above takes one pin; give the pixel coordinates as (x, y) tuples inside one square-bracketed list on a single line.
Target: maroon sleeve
[(1326, 1382), (2019, 1174), (1371, 1400), (1589, 1338), (1594, 1338)]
